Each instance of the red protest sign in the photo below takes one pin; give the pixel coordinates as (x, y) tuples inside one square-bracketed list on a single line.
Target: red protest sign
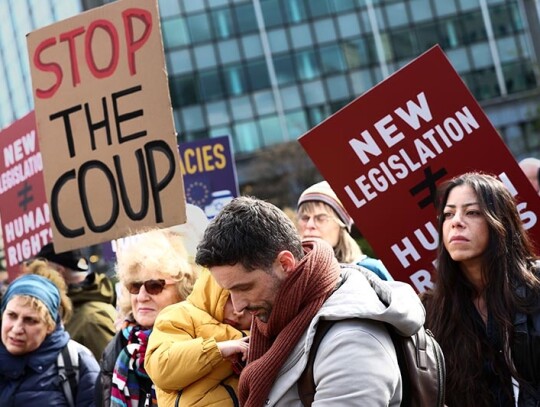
[(24, 209), (385, 153)]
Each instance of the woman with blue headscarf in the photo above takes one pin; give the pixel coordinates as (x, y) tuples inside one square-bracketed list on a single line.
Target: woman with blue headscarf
[(32, 336)]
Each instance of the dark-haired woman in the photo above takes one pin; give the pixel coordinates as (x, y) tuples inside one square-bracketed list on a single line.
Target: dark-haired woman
[(484, 310)]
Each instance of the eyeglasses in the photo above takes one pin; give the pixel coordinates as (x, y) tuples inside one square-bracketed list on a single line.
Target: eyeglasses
[(152, 287), (319, 220)]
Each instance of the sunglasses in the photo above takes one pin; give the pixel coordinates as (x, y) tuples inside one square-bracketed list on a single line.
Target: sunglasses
[(152, 287)]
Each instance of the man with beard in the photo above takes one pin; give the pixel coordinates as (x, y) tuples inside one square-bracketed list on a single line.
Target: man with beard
[(253, 250)]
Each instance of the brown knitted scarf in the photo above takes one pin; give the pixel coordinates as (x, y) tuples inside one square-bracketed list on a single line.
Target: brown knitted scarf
[(300, 297)]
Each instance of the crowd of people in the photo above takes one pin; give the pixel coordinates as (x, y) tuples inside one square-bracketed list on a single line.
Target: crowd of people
[(226, 315)]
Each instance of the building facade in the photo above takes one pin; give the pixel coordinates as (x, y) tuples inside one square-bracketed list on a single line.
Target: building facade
[(266, 71)]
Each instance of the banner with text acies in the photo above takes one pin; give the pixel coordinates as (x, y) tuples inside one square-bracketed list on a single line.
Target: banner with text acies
[(23, 208), (105, 124), (209, 173), (385, 153)]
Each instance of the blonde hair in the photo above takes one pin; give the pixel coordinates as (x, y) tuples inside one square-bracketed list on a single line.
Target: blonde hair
[(346, 250), (44, 269), (156, 252), (38, 306)]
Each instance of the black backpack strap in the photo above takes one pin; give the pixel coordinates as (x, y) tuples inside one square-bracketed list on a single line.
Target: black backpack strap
[(232, 394), (402, 362), (306, 382), (70, 371), (178, 395)]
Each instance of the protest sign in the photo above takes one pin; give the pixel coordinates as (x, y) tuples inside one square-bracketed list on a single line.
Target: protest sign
[(105, 125), (209, 173), (24, 209), (385, 153)]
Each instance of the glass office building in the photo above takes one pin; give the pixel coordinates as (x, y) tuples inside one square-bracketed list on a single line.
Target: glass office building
[(266, 71)]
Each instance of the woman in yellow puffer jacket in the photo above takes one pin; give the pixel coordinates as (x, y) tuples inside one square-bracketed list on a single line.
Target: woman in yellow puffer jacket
[(188, 356)]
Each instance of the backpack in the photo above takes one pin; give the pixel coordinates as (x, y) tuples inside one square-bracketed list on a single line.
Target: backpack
[(68, 370), (420, 359)]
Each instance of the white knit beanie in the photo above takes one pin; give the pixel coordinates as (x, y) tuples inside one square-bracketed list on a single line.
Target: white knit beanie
[(322, 192)]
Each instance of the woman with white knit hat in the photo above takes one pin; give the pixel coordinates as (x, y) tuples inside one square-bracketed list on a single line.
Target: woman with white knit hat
[(322, 215)]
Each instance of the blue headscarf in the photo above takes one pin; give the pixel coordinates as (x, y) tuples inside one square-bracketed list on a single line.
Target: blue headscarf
[(35, 286)]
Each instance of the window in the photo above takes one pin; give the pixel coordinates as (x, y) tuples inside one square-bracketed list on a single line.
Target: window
[(403, 43), (290, 97), (421, 10), (317, 114), (199, 28), (184, 90), (245, 16), (229, 51), (264, 102), (168, 8), (211, 86), (217, 114), (482, 83), (427, 36), (295, 11), (337, 88), (205, 56), (301, 36), (235, 80), (175, 33), (472, 28), (284, 67), (258, 75), (246, 137), (319, 8), (271, 11), (278, 40), (180, 62), (348, 26), (192, 118), (325, 31), (222, 22), (241, 108), (271, 130), (252, 46), (343, 5), (332, 59), (397, 14), (450, 33), (307, 65), (360, 52), (505, 19), (296, 124), (519, 76)]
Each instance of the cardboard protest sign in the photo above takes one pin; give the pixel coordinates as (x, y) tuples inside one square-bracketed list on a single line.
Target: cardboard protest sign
[(105, 125), (209, 173), (385, 153), (24, 209)]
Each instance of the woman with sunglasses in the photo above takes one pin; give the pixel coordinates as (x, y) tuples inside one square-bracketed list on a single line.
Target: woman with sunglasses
[(321, 214), (153, 272)]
